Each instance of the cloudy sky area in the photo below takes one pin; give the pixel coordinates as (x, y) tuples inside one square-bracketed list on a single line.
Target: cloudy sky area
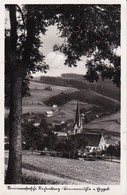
[(55, 60)]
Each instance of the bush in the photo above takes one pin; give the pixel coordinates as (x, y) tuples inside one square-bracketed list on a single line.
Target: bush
[(67, 149)]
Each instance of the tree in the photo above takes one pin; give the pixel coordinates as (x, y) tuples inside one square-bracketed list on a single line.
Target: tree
[(118, 149), (92, 31), (67, 149), (22, 57), (15, 147), (33, 136), (111, 150)]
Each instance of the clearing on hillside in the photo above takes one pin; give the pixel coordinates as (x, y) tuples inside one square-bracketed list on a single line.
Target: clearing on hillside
[(39, 94)]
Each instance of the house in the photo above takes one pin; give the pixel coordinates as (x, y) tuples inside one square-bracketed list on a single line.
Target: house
[(49, 113), (54, 106), (60, 135), (36, 124)]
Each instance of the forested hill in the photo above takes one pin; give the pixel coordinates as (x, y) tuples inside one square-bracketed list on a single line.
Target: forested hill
[(106, 87), (88, 96)]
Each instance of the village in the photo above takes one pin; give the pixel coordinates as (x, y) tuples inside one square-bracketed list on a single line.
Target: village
[(71, 139)]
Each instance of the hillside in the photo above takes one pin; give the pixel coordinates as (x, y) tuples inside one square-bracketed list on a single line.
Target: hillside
[(103, 87), (71, 105), (67, 111), (97, 119), (39, 94), (95, 98), (87, 96), (42, 100), (109, 123)]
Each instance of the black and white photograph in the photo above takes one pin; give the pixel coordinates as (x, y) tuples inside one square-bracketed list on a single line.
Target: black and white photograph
[(63, 102)]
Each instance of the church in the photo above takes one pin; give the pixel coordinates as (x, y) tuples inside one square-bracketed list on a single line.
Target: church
[(91, 140)]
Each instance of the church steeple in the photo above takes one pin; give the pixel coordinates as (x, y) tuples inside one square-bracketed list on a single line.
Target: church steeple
[(78, 122)]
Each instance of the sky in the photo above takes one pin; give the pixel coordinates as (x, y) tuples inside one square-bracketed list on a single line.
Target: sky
[(55, 60)]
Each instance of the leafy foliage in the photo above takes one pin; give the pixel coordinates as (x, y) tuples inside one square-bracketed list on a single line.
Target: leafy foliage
[(92, 31), (33, 136), (67, 148), (38, 137), (31, 21), (114, 150)]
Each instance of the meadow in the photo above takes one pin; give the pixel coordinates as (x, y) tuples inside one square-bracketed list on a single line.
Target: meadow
[(34, 103), (57, 170)]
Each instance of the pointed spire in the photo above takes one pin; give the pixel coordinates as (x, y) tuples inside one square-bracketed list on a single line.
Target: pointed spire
[(77, 124), (77, 117)]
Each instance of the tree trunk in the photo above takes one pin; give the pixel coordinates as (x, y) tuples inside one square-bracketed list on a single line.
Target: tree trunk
[(13, 175)]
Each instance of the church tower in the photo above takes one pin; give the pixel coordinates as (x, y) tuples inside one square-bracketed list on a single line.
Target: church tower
[(78, 122)]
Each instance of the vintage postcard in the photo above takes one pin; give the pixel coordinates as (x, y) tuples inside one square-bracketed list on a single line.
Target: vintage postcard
[(63, 97)]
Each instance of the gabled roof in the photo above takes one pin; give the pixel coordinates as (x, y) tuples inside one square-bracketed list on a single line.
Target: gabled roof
[(93, 139)]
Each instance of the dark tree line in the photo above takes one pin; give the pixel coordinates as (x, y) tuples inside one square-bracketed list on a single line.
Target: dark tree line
[(102, 87), (84, 96)]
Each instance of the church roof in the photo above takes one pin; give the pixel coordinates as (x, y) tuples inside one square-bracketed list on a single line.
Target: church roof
[(92, 139)]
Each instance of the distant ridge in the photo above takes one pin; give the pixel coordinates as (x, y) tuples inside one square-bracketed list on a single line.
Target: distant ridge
[(106, 87), (87, 96), (72, 76)]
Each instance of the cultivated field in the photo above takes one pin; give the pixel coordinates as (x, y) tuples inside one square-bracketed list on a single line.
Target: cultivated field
[(68, 171)]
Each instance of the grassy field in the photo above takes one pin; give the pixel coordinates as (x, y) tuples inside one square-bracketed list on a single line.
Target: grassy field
[(67, 111), (35, 109), (110, 123), (71, 105), (35, 104), (38, 90), (68, 171)]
